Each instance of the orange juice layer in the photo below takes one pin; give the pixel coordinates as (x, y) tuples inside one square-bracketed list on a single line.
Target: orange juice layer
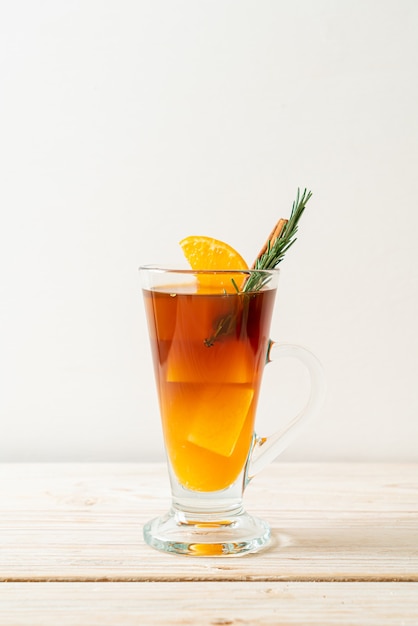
[(208, 395)]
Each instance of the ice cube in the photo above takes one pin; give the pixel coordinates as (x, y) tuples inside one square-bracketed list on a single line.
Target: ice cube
[(219, 415)]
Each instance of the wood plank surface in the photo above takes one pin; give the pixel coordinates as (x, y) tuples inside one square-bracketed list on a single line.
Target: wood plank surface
[(242, 604), (330, 522)]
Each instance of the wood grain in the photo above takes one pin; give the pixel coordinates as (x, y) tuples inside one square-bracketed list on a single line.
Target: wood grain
[(240, 604), (83, 522)]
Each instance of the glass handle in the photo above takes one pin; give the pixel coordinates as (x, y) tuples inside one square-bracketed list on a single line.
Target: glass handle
[(266, 449)]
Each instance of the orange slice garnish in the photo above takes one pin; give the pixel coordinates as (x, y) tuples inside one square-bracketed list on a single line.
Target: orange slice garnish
[(207, 253)]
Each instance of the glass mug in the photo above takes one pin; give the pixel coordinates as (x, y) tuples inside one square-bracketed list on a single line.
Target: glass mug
[(210, 342)]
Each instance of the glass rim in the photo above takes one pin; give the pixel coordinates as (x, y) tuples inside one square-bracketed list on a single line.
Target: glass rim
[(171, 270)]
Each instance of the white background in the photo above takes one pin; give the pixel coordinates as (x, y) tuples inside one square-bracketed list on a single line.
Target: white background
[(128, 125)]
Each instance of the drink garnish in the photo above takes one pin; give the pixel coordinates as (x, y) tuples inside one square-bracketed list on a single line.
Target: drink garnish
[(206, 253), (281, 239), (276, 232)]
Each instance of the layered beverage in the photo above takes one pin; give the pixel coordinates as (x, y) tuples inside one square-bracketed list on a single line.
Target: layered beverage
[(209, 351)]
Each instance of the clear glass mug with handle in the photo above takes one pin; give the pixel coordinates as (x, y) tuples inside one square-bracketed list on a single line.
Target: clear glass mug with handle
[(210, 342)]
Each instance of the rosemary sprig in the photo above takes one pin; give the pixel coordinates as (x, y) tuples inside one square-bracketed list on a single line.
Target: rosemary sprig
[(271, 255), (225, 326), (277, 248)]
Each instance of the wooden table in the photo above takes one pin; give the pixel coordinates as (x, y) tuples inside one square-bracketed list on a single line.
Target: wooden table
[(345, 549)]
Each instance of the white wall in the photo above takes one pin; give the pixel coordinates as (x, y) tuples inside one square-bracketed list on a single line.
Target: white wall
[(127, 125)]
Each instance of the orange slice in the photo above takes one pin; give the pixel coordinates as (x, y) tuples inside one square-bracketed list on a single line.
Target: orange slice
[(207, 253)]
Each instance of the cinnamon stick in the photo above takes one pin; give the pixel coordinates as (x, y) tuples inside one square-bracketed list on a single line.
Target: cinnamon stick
[(275, 233)]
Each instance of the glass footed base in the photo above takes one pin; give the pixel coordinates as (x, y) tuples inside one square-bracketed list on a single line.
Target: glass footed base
[(206, 535)]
